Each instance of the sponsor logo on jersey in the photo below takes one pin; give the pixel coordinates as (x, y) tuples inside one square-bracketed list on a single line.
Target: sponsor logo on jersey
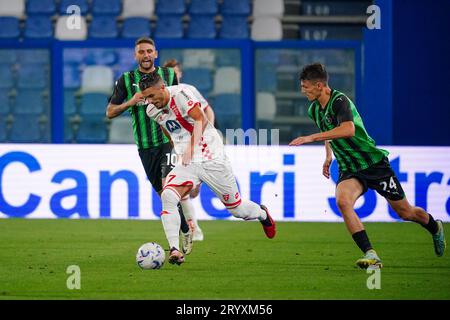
[(173, 126), (185, 95)]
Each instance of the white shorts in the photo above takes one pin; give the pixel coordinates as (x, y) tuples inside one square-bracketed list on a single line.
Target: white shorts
[(217, 174)]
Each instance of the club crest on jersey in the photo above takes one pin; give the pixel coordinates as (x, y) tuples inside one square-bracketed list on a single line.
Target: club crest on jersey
[(328, 119), (226, 197), (173, 126)]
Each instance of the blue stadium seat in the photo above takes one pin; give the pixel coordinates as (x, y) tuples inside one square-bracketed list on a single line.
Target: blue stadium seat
[(234, 27), (5, 102), (8, 56), (266, 79), (101, 56), (201, 27), (34, 56), (93, 129), (227, 104), (228, 58), (6, 76), (203, 7), (32, 76), (110, 7), (170, 27), (29, 101), (70, 104), (173, 7), (236, 7), (72, 76), (200, 78), (41, 7), (103, 27), (26, 128), (93, 104), (3, 133), (38, 27), (9, 28), (82, 4), (136, 27)]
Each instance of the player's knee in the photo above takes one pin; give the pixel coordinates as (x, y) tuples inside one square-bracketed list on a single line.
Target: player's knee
[(405, 213), (170, 199), (344, 204)]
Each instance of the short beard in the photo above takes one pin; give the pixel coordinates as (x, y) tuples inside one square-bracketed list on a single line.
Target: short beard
[(146, 69)]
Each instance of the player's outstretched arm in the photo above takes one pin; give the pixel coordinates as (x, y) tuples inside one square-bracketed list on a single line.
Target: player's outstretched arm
[(345, 130)]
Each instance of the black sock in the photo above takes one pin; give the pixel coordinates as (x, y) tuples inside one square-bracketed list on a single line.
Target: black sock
[(184, 226), (431, 226), (362, 240)]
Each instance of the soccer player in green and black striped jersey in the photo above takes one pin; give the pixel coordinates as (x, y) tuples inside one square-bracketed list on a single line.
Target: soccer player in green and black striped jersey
[(361, 164), (153, 146)]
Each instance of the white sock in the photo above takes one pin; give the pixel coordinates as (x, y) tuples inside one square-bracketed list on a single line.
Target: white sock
[(248, 210), (188, 208), (171, 218)]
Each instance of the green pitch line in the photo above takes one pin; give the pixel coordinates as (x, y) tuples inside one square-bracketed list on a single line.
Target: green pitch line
[(235, 261)]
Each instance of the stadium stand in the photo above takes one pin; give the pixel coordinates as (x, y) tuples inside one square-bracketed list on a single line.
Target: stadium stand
[(236, 7), (214, 71), (103, 27), (121, 131), (173, 7), (135, 27), (38, 27), (203, 7), (62, 32), (108, 8), (267, 29), (169, 27), (67, 6), (138, 8), (41, 7), (10, 8), (234, 27), (201, 27)]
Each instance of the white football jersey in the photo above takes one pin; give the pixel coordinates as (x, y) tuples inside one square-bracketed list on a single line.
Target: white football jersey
[(174, 117), (196, 94)]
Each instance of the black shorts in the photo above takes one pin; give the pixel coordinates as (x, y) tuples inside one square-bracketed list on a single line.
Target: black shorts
[(379, 177), (156, 164)]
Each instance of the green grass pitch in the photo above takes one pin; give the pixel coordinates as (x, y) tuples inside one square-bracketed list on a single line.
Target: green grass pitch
[(235, 261)]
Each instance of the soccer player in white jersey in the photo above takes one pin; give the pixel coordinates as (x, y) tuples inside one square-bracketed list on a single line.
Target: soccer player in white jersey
[(188, 209), (202, 159), (187, 206)]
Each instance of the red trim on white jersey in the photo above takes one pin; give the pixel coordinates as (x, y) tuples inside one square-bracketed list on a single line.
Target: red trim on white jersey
[(184, 123), (232, 205), (197, 104), (184, 184)]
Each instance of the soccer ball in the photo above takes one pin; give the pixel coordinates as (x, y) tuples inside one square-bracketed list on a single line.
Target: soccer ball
[(150, 256)]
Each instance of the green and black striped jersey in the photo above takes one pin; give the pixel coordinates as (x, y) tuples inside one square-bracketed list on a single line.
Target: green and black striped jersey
[(352, 154), (147, 133)]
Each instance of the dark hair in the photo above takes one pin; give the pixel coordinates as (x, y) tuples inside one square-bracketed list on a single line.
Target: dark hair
[(171, 63), (314, 72), (144, 40), (149, 80)]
